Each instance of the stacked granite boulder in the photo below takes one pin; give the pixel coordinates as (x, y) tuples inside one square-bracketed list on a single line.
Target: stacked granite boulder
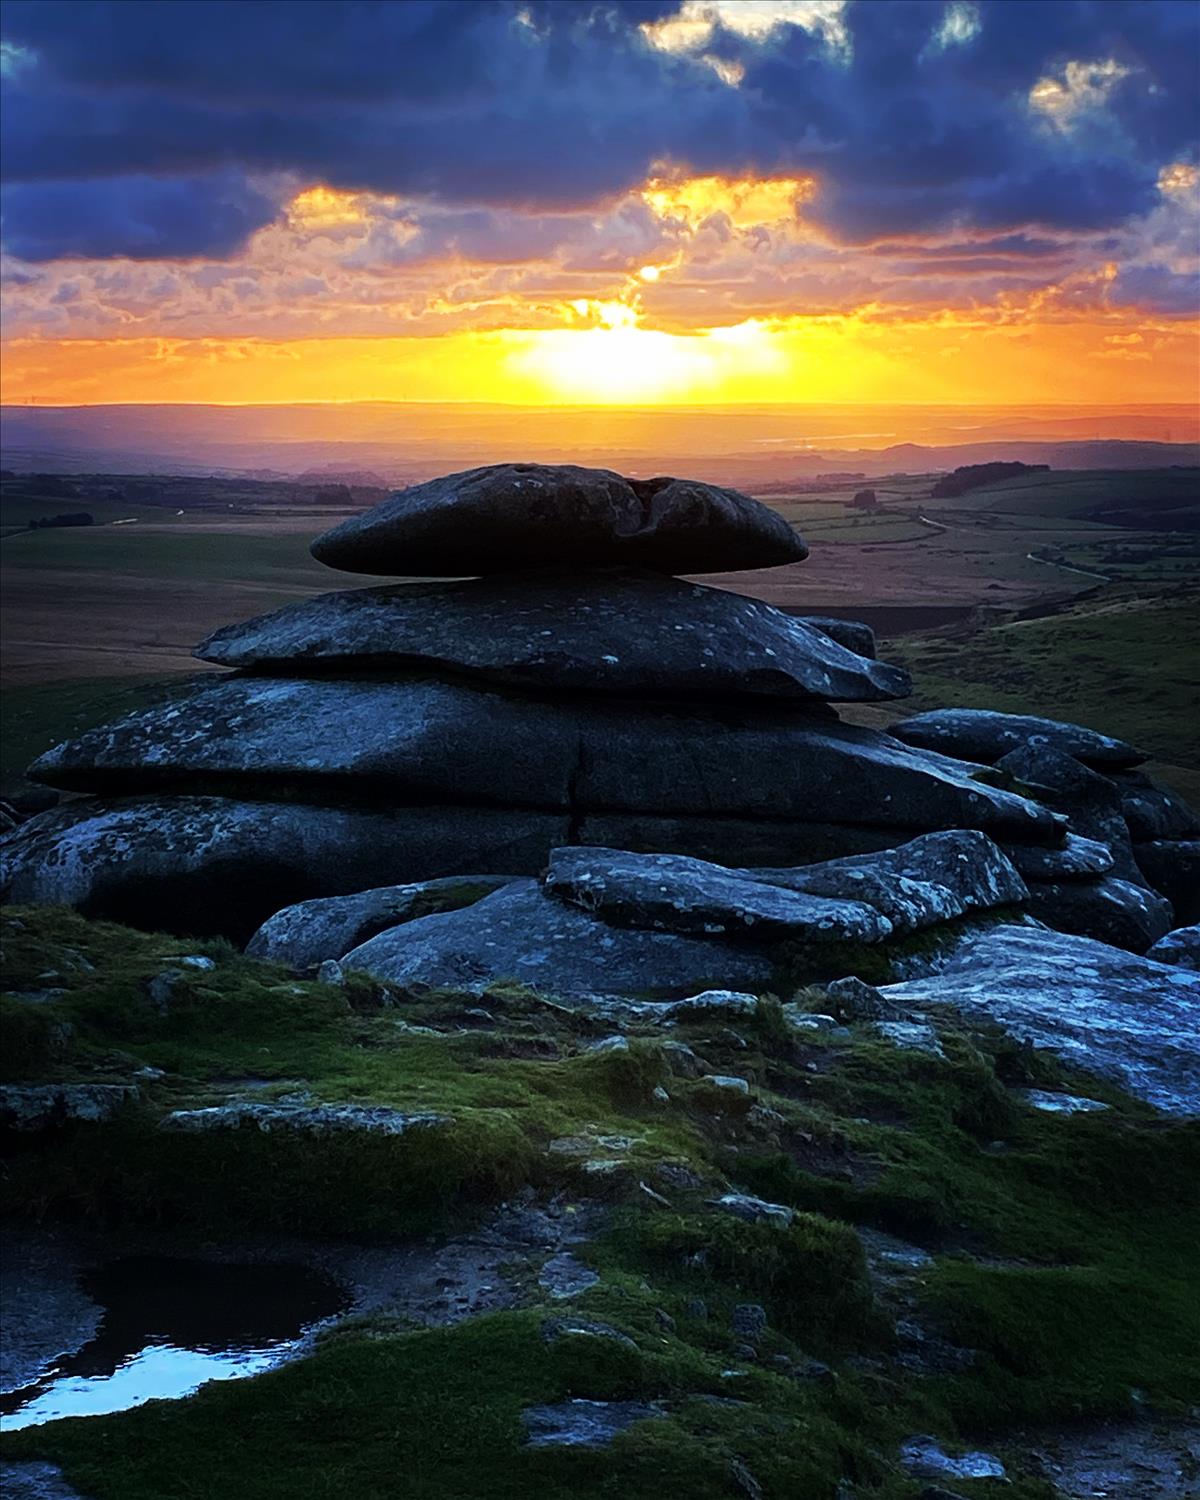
[(1130, 867), (572, 691)]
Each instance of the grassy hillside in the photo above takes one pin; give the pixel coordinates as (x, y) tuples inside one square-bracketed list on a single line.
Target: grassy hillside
[(1123, 664)]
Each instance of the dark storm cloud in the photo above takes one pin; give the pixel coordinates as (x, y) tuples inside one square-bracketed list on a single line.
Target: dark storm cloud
[(143, 218), (117, 116)]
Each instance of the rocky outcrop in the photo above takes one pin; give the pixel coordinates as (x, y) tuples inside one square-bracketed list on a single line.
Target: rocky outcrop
[(620, 631), (605, 922), (664, 892), (575, 695), (984, 735), (1098, 1007), (520, 516), (219, 865)]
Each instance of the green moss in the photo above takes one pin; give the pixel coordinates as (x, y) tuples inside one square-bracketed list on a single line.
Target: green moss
[(438, 1414), (1065, 1247), (811, 1276)]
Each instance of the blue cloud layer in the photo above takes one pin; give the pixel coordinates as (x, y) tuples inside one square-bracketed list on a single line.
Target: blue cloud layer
[(172, 130)]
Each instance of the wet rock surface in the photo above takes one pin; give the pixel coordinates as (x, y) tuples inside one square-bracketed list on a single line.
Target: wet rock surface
[(636, 634), (506, 516)]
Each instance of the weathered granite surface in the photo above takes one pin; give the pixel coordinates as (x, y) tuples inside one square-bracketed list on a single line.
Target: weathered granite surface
[(865, 898), (984, 734), (612, 631), (1114, 1013), (519, 933), (422, 739), (329, 926)]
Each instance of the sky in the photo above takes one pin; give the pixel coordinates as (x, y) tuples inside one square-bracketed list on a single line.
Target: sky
[(579, 201)]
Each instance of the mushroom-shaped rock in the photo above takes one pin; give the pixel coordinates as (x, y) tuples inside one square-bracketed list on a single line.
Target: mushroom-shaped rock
[(516, 516)]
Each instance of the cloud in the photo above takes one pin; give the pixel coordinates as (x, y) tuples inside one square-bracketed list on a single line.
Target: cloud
[(915, 115), (143, 218)]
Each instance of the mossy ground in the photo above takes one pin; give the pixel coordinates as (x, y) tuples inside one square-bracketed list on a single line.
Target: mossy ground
[(1063, 1248)]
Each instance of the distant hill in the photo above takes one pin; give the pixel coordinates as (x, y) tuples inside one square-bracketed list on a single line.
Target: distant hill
[(381, 444)]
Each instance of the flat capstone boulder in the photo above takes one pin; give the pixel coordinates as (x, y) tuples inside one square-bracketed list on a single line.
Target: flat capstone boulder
[(428, 740), (622, 631), (982, 734), (327, 927), (672, 893), (1123, 1017), (1180, 947), (521, 934), (507, 517)]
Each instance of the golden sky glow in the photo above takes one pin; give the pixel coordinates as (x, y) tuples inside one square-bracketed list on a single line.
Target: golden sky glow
[(833, 360), (683, 292)]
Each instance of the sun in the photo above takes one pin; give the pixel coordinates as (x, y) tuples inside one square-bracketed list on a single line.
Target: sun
[(615, 364)]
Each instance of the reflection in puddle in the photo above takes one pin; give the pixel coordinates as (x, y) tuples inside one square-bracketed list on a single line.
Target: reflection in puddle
[(170, 1326)]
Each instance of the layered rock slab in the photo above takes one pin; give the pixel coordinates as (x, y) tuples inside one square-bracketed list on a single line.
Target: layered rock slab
[(505, 517), (861, 899), (672, 893), (983, 734), (423, 739), (932, 879), (629, 632), (205, 864), (1126, 1018), (520, 934)]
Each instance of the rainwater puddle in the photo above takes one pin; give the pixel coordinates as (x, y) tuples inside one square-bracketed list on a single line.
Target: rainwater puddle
[(170, 1326)]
